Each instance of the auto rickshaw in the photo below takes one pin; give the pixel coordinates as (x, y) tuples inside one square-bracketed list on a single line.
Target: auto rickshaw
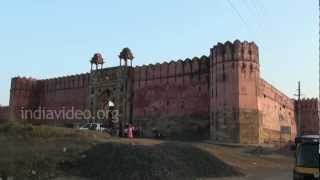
[(307, 154)]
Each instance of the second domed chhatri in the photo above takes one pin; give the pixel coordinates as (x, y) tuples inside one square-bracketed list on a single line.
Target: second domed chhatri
[(126, 55)]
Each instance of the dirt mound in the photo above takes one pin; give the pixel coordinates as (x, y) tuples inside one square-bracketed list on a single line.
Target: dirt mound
[(168, 161), (41, 152)]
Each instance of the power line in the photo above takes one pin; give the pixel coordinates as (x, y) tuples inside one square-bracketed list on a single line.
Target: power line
[(260, 5), (260, 9), (256, 8), (254, 5), (239, 14), (254, 12), (247, 4)]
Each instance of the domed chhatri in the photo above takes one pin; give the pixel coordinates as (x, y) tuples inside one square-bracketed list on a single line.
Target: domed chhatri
[(126, 55), (97, 59)]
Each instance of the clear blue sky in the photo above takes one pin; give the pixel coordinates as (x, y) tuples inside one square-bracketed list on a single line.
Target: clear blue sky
[(49, 38)]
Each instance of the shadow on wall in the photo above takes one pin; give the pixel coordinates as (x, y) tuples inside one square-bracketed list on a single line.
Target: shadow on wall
[(182, 128)]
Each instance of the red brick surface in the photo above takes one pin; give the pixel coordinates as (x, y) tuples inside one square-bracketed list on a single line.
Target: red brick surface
[(174, 89), (309, 116), (53, 94), (277, 112)]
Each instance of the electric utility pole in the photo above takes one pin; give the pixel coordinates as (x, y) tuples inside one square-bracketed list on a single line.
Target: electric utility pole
[(299, 109)]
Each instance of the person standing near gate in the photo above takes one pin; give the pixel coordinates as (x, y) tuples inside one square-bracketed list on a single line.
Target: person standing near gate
[(130, 131)]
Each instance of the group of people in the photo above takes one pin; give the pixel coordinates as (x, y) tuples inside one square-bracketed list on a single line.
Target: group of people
[(132, 131)]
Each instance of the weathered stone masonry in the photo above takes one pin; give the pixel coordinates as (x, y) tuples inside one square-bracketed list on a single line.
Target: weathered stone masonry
[(244, 107), (222, 94), (4, 113), (309, 115)]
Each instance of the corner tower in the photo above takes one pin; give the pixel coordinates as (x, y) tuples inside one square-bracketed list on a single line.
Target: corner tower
[(234, 78)]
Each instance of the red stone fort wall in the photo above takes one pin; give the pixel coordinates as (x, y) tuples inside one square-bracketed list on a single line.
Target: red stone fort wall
[(172, 89), (310, 115), (278, 114), (4, 113), (223, 91), (69, 91), (170, 95)]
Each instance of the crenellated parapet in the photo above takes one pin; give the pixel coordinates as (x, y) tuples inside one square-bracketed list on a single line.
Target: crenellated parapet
[(194, 66), (236, 51), (66, 82), (309, 114), (309, 103), (23, 83), (25, 92)]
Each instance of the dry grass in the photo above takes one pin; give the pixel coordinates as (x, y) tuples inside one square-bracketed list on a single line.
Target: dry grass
[(41, 152), (27, 151), (27, 131)]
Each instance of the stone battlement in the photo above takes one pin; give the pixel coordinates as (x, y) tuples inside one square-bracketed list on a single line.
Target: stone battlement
[(23, 83), (172, 69), (236, 51), (309, 103), (64, 82)]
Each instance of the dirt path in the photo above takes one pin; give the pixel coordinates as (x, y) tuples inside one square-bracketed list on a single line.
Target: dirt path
[(270, 174), (273, 175), (263, 167)]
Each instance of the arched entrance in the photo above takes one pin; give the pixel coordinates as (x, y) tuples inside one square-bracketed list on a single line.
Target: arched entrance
[(111, 89), (107, 103)]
